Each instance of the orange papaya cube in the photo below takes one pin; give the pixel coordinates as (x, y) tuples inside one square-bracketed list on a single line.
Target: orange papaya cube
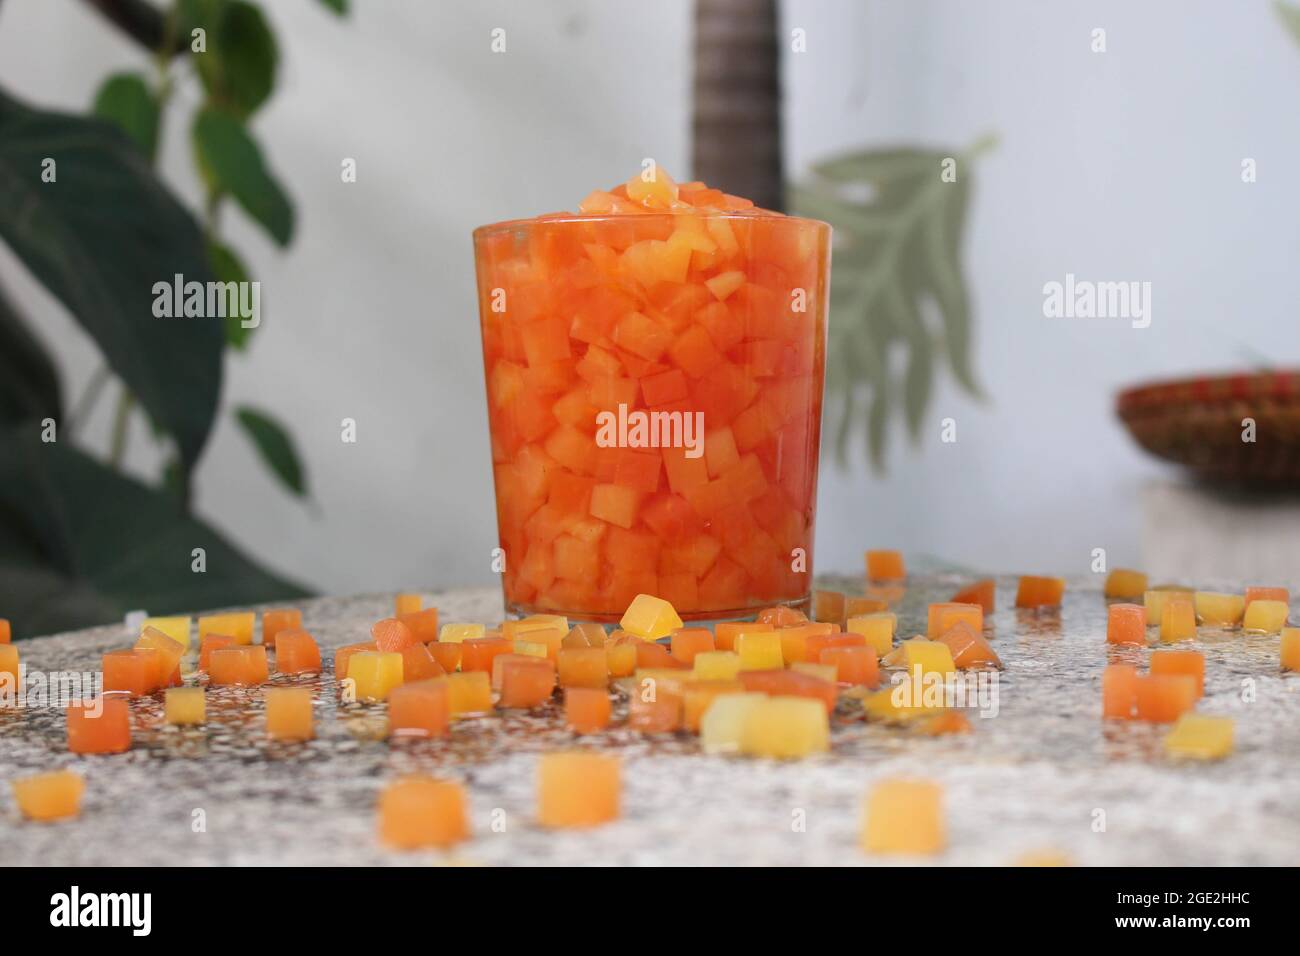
[(577, 789), (499, 666), (1034, 591), (279, 619), (210, 643), (391, 635), (239, 664), (1259, 593), (185, 706), (782, 616), (516, 630), (586, 709), (130, 673), (720, 452), (878, 630), (698, 696), (169, 652), (419, 811), (690, 641), (904, 816), (725, 632), (1119, 691), (548, 640), (650, 618), (1219, 610), (1265, 616), (446, 653), (583, 667), (788, 683), (943, 617), (1125, 583), (759, 650), (1126, 624), (1189, 663), (374, 674), (296, 653), (457, 633), (651, 654), (800, 641), (289, 714), (344, 654), (853, 665), (407, 604), (1200, 737), (6, 632), (814, 644), (101, 725), (418, 664), (477, 654), (826, 672), (785, 727), (584, 635), (621, 654), (857, 606), (946, 722), (828, 605), (49, 796), (469, 692), (419, 709), (526, 682), (615, 504), (968, 647), (1163, 698), (1177, 619), (9, 672), (695, 354), (238, 624), (656, 706), (1290, 649), (885, 565), (716, 665), (983, 593), (423, 624)]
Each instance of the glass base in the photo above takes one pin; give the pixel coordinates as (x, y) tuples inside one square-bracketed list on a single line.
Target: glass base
[(516, 610)]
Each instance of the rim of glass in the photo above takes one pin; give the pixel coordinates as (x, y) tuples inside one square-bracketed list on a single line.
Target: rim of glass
[(509, 225)]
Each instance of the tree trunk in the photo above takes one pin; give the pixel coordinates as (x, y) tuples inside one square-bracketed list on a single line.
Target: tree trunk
[(737, 100)]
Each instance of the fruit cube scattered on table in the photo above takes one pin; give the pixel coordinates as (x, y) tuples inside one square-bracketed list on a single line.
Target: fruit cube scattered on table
[(6, 632), (983, 593), (583, 667), (344, 654), (1155, 599), (101, 725), (927, 657), (857, 606), (289, 713), (185, 706), (656, 704), (904, 816), (1264, 593), (759, 650), (785, 727), (1265, 616), (726, 632), (9, 671), (1290, 649), (1190, 663), (210, 643), (176, 627), (49, 796), (941, 617), (526, 682), (469, 693), (419, 709), (717, 665), (790, 683), (1036, 591), (458, 632), (477, 654), (1177, 619), (877, 628), (278, 620), (296, 653), (423, 624), (391, 635), (689, 641), (445, 654), (699, 695), (885, 565), (243, 665), (586, 709), (129, 672), (418, 663), (577, 789), (374, 674), (650, 618), (798, 642), (853, 665), (1119, 683), (1125, 583), (420, 811), (407, 604), (169, 653), (1163, 698), (905, 702), (1220, 610), (968, 647), (828, 606), (238, 624), (1126, 624), (1200, 737)]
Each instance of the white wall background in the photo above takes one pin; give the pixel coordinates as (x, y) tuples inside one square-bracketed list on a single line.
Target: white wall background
[(1123, 165)]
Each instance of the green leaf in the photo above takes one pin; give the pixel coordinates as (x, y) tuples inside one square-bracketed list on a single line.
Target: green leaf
[(126, 100), (228, 267), (29, 382), (1291, 17), (238, 69), (231, 162), (99, 236), (338, 6), (81, 544), (275, 446)]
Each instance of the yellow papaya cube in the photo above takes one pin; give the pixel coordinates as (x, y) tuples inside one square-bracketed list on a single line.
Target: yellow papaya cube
[(1177, 619), (786, 727), (944, 616), (577, 789), (722, 726), (877, 628), (1155, 599), (905, 701), (512, 630), (288, 713), (1125, 583), (238, 625), (1220, 610), (375, 673), (927, 657), (185, 705), (759, 650), (469, 692), (1290, 650), (169, 653), (717, 665), (1200, 737), (827, 672), (407, 604), (458, 633), (422, 812), (650, 618), (177, 628), (49, 796), (1266, 617), (698, 695), (620, 655), (904, 816), (526, 649)]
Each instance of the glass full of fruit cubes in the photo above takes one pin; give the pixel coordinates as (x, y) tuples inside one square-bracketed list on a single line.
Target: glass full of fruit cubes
[(654, 367)]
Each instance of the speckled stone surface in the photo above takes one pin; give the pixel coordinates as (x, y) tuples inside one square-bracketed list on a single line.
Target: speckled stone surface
[(1041, 775)]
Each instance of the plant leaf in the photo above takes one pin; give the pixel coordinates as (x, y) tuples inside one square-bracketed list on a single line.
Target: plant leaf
[(125, 99), (1291, 17), (275, 446), (29, 382), (238, 69), (81, 544), (338, 6), (230, 161), (228, 267), (99, 236)]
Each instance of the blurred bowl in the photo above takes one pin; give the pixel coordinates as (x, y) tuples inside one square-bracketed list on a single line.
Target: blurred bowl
[(1197, 422)]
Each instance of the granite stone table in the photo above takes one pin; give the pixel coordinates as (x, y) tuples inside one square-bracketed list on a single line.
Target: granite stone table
[(1044, 774)]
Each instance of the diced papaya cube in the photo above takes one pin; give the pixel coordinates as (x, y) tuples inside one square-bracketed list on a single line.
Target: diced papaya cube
[(982, 593), (546, 341), (130, 673), (785, 728), (1125, 583), (803, 642), (687, 642), (698, 696), (716, 665), (422, 812), (885, 565), (238, 665), (177, 628), (101, 725), (651, 654), (759, 650), (289, 714), (904, 816), (1034, 591), (782, 616), (277, 620), (526, 682), (210, 643), (642, 336), (344, 654), (722, 725), (720, 452), (1265, 616), (169, 652), (1219, 610), (1178, 619), (469, 692), (943, 617), (656, 705), (1119, 691), (583, 667), (726, 632), (185, 705), (9, 672), (418, 664), (908, 700), (947, 722), (447, 654), (665, 387), (477, 654), (1163, 698), (423, 624), (878, 629), (391, 635), (374, 673), (1189, 663), (620, 655), (1290, 649), (296, 653), (577, 789), (828, 606), (419, 709), (724, 284), (499, 665), (694, 352), (1259, 593), (685, 475), (238, 624), (824, 672), (615, 503), (1126, 624), (49, 796), (853, 665), (922, 657), (968, 647), (789, 683), (458, 633), (586, 709), (650, 618), (6, 632), (857, 606), (1154, 600), (1199, 737)]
